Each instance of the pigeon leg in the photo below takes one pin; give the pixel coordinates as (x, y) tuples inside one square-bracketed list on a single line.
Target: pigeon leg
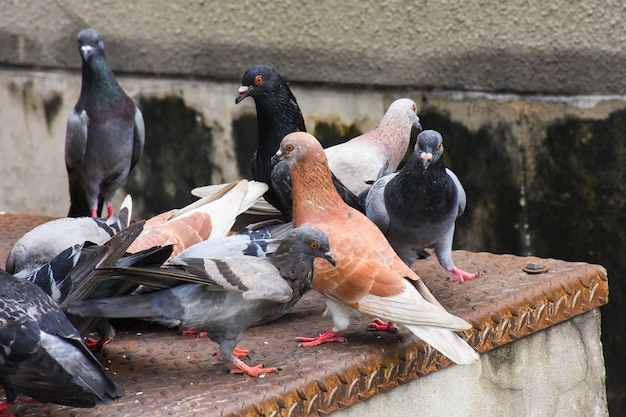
[(3, 406), (329, 336), (383, 326), (96, 344), (196, 332), (461, 275), (109, 210), (94, 212), (255, 371), (238, 353)]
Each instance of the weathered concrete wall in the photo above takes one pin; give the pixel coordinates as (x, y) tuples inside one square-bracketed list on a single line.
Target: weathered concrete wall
[(509, 382), (557, 47)]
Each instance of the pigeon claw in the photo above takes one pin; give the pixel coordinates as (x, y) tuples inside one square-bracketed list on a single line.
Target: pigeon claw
[(383, 326), (256, 371), (194, 332), (462, 276), (329, 336)]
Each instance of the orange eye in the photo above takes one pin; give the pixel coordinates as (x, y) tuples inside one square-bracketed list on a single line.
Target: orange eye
[(258, 80), (414, 108), (289, 147), (440, 146), (315, 245)]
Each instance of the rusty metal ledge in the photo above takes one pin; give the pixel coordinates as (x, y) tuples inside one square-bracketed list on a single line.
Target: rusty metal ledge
[(167, 374)]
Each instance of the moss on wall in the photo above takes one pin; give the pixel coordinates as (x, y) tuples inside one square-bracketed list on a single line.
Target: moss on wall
[(176, 157)]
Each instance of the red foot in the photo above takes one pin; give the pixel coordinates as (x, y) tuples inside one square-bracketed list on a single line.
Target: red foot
[(460, 275), (329, 336), (3, 406), (255, 371), (94, 212), (237, 352), (96, 344), (194, 332), (383, 326), (109, 210)]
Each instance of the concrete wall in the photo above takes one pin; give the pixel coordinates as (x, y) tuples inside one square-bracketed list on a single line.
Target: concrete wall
[(556, 47)]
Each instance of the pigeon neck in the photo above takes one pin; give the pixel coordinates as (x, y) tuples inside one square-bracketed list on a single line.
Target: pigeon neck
[(314, 194), (97, 76), (296, 268), (278, 114), (393, 135)]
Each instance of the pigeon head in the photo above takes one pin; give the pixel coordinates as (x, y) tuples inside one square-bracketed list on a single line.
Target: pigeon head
[(90, 44), (259, 80), (407, 105), (429, 147), (300, 147), (308, 240)]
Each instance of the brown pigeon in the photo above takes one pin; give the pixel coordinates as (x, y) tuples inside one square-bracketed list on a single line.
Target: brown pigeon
[(369, 277)]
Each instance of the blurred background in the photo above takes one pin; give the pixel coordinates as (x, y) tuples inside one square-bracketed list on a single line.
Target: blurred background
[(530, 98)]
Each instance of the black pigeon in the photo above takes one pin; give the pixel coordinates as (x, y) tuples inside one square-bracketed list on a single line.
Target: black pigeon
[(417, 207), (105, 134), (42, 355), (221, 297), (278, 114)]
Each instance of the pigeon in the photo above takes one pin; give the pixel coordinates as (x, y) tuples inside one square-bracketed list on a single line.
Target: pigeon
[(105, 134), (42, 355), (208, 218), (47, 240), (369, 277), (417, 207), (358, 161), (278, 114), (223, 297)]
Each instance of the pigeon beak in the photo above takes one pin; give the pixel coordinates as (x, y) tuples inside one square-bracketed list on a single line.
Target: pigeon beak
[(329, 257), (277, 157), (86, 51), (427, 158), (417, 125), (244, 91)]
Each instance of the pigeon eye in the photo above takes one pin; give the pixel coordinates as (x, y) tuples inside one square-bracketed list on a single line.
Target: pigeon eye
[(289, 147), (258, 80), (440, 146), (414, 108), (315, 245)]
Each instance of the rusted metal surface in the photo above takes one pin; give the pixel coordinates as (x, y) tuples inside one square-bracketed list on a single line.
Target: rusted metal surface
[(167, 374)]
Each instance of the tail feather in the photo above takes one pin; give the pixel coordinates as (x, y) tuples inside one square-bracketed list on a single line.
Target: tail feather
[(136, 306), (447, 342)]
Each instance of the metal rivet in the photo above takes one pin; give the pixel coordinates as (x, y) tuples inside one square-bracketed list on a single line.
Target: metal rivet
[(535, 266)]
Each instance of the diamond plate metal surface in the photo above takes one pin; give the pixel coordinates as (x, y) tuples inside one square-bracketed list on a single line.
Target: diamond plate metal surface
[(167, 374)]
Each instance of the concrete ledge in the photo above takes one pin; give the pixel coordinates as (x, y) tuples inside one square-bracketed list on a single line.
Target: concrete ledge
[(555, 372)]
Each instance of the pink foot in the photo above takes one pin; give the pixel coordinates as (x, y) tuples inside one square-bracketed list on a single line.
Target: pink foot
[(94, 212), (194, 332), (254, 371), (383, 326), (237, 352), (461, 275), (329, 336), (109, 210)]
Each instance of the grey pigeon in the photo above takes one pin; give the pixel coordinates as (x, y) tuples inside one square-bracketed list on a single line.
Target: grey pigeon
[(222, 297), (278, 114), (42, 355), (44, 242), (105, 134), (417, 207), (357, 162)]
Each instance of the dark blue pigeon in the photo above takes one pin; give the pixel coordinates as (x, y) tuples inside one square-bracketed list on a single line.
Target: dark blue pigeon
[(417, 207), (222, 297), (105, 134), (278, 114)]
